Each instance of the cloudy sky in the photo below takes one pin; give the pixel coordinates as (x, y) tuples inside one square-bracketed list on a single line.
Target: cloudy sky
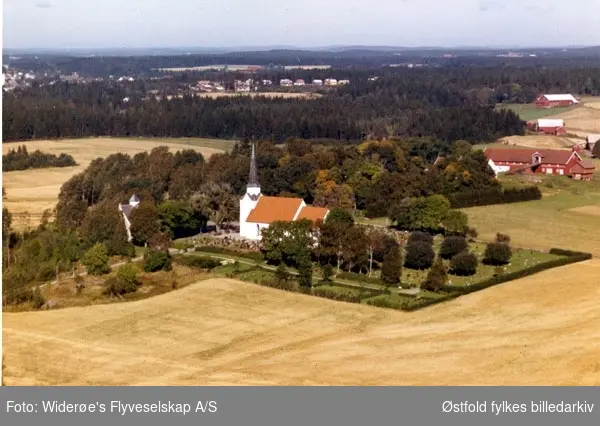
[(310, 23)]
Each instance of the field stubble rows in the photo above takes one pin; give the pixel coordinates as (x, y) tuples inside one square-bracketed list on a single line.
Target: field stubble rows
[(226, 332)]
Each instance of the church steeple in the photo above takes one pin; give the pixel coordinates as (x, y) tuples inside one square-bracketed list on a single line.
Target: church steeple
[(253, 177)]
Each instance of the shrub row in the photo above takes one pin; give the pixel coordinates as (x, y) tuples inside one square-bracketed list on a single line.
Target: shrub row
[(253, 255), (199, 262), (328, 293), (494, 196), (573, 258), (353, 276)]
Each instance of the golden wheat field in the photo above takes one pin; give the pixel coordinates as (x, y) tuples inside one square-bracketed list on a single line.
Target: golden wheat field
[(36, 190), (540, 330), (584, 118), (538, 141)]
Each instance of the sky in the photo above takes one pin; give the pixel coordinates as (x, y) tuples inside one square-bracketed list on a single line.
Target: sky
[(307, 23)]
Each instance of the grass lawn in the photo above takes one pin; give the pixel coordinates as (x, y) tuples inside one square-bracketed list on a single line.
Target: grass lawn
[(530, 112), (378, 221), (521, 259)]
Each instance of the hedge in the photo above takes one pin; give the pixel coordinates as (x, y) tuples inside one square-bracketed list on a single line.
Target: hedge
[(571, 257), (328, 293), (253, 255), (353, 276), (493, 196), (199, 262)]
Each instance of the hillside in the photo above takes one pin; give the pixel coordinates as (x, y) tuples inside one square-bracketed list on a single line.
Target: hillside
[(225, 332)]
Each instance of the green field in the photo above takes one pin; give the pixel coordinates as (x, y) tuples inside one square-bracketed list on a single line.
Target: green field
[(567, 219), (530, 112)]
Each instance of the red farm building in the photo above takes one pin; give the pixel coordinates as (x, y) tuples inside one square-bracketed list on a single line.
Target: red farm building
[(551, 126), (541, 161), (553, 101)]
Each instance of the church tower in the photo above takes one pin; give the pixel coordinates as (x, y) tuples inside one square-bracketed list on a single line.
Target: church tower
[(250, 199)]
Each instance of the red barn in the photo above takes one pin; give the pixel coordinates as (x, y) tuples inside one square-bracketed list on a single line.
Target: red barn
[(542, 161), (552, 101), (554, 126)]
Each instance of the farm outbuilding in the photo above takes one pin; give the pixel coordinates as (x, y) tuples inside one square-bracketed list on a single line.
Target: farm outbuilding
[(551, 126), (552, 101)]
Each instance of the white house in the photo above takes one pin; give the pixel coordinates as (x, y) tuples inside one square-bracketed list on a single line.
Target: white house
[(258, 211), (126, 210)]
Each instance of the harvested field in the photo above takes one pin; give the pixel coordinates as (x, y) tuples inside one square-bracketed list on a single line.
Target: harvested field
[(36, 190), (226, 332), (538, 141), (581, 118), (589, 210)]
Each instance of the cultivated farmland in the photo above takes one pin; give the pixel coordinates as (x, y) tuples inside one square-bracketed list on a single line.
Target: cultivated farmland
[(36, 190), (226, 332)]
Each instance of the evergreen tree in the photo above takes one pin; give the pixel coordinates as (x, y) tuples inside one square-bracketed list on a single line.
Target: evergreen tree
[(436, 277), (391, 269)]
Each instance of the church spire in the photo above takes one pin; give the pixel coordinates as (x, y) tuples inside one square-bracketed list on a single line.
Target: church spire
[(253, 178)]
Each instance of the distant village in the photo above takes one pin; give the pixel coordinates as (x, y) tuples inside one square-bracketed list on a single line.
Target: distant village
[(251, 85)]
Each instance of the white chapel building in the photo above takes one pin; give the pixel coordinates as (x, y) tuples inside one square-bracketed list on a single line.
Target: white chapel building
[(258, 211)]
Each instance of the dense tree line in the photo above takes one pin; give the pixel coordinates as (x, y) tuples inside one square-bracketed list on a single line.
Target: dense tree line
[(138, 63), (404, 105), (21, 159)]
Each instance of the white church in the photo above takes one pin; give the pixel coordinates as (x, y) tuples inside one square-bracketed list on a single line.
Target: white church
[(258, 211)]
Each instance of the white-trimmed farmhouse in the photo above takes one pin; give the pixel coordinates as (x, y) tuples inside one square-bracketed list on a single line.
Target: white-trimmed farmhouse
[(258, 211)]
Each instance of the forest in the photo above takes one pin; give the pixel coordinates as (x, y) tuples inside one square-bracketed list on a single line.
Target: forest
[(447, 103), (406, 106)]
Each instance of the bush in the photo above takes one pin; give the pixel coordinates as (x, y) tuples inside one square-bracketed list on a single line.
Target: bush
[(253, 255), (118, 287), (281, 274), (289, 285), (502, 238), (384, 302), (453, 245), (342, 296), (198, 262), (436, 277), (157, 261), (472, 234), (391, 270), (463, 264), (353, 276), (45, 272), (418, 236), (95, 260), (455, 223), (327, 273), (419, 255), (128, 273), (493, 196), (497, 254)]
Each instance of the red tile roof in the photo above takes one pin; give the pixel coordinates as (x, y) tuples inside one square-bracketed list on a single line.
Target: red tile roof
[(313, 213), (507, 155), (272, 209)]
